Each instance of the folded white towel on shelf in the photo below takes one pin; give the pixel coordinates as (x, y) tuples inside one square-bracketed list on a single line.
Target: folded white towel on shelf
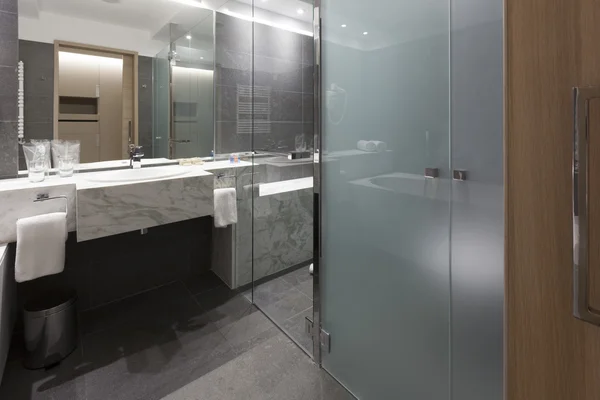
[(380, 146), (40, 246), (225, 207), (366, 145)]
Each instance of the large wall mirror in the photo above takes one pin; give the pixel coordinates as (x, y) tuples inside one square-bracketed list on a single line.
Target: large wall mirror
[(176, 77)]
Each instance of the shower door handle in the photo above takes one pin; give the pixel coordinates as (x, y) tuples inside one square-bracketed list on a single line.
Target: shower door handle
[(130, 131), (581, 294)]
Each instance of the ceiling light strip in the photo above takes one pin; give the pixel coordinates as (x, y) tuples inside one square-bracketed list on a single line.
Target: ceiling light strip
[(191, 3), (266, 22)]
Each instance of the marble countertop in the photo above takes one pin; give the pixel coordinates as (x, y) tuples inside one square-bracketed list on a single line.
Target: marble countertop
[(114, 165), (98, 206), (209, 166), (82, 182), (292, 185), (85, 181), (17, 195)]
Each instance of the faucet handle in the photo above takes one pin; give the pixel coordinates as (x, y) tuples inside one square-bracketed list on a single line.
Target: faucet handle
[(135, 150)]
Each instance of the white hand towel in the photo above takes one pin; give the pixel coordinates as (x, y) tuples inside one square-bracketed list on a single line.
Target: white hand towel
[(380, 147), (225, 207), (40, 246), (366, 145)]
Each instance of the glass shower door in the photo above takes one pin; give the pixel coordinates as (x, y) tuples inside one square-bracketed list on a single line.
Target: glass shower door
[(162, 101), (385, 197)]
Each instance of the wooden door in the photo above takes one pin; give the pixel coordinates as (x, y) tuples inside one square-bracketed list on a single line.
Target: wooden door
[(88, 135), (110, 107), (77, 77), (551, 47)]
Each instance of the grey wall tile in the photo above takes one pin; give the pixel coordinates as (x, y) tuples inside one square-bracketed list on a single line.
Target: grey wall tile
[(8, 149), (9, 6), (39, 108), (37, 54), (278, 74), (308, 50), (8, 94), (308, 107), (8, 82), (39, 79), (285, 133), (286, 106), (39, 130), (8, 39), (8, 107), (8, 87), (228, 139), (232, 68), (308, 130), (38, 60), (226, 103), (277, 66), (307, 79), (233, 34), (277, 43), (281, 136)]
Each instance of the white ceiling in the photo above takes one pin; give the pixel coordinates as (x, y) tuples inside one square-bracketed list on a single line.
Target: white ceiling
[(387, 21), (153, 16)]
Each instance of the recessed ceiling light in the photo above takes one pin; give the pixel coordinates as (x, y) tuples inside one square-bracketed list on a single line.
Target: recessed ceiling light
[(344, 25), (202, 58), (365, 33), (300, 11), (188, 37)]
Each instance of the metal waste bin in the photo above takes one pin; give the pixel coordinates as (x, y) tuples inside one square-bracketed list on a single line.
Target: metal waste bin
[(50, 328)]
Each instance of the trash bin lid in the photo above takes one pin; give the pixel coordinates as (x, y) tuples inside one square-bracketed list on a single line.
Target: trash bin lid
[(50, 302)]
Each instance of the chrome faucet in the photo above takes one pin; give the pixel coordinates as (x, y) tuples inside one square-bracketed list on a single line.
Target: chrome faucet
[(135, 154)]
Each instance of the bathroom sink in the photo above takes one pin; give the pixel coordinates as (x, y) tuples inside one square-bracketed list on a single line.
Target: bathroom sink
[(135, 175)]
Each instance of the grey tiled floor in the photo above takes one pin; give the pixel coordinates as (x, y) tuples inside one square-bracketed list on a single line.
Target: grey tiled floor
[(287, 300), (197, 340)]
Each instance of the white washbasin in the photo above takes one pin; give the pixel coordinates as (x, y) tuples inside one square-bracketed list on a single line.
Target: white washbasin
[(134, 175)]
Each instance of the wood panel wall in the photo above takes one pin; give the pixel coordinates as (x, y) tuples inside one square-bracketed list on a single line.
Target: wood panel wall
[(551, 47)]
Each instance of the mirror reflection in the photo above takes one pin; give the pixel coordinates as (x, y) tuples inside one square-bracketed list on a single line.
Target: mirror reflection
[(161, 80)]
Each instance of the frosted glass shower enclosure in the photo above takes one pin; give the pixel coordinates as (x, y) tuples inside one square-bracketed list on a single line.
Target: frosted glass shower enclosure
[(410, 273)]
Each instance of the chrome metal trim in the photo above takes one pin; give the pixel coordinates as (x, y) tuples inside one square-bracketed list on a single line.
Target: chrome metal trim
[(325, 339), (172, 47), (459, 175), (214, 86), (580, 170), (432, 172), (46, 197), (317, 163)]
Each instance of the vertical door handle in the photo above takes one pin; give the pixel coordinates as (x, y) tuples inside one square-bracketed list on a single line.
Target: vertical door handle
[(581, 295), (130, 132)]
